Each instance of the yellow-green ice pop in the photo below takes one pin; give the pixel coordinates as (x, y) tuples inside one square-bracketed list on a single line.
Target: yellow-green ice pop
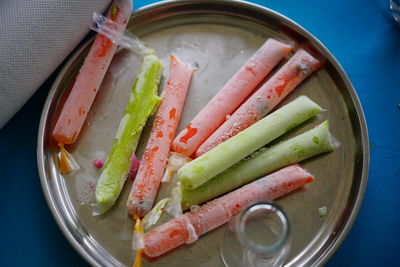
[(143, 102)]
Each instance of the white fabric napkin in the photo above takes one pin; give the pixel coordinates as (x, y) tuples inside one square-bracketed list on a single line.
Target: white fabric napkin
[(35, 37)]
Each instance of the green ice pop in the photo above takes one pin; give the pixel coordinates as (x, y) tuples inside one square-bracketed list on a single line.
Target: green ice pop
[(264, 161), (220, 158), (143, 102)]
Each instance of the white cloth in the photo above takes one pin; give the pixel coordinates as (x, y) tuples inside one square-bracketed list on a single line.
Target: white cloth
[(35, 37)]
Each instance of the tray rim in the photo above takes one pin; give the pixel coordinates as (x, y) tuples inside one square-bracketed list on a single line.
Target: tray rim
[(50, 197)]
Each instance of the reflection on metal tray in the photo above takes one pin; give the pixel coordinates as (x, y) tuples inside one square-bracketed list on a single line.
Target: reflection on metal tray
[(217, 37)]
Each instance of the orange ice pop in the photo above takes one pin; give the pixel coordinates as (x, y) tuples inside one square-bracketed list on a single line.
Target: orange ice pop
[(301, 65), (232, 94), (189, 226), (145, 187), (90, 76)]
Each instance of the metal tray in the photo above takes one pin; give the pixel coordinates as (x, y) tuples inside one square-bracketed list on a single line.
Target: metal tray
[(217, 37)]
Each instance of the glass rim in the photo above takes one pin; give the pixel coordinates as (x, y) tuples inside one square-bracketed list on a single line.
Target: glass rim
[(269, 206)]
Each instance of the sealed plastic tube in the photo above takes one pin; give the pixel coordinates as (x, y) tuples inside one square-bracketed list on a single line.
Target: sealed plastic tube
[(189, 226), (313, 142), (145, 187), (215, 161), (231, 95), (299, 67)]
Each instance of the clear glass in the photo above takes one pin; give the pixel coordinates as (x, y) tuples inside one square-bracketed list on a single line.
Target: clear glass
[(395, 8), (258, 236)]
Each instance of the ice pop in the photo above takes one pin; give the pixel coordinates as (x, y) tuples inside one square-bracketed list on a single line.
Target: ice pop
[(265, 99), (189, 226), (145, 187), (205, 167), (143, 102), (310, 143), (232, 94), (90, 76)]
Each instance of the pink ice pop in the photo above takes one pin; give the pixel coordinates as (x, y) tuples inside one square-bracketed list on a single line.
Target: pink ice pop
[(145, 187), (234, 92), (265, 99), (189, 226), (90, 76)]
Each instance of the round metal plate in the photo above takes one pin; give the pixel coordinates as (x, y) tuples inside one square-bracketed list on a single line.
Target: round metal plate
[(217, 37)]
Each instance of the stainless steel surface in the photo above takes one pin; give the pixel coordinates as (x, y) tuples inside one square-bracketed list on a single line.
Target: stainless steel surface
[(218, 37)]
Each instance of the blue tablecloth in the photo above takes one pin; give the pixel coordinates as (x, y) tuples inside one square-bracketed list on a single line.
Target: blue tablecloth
[(363, 37)]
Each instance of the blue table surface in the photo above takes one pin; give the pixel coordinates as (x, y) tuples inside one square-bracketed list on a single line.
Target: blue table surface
[(363, 37)]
